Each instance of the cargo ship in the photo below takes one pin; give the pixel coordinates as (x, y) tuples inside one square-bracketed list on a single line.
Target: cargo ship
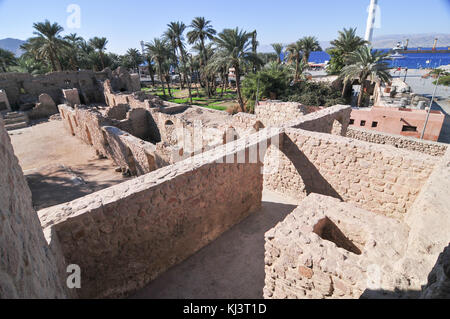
[(403, 49)]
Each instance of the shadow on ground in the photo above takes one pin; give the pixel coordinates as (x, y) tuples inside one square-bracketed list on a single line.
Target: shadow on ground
[(56, 184), (230, 267)]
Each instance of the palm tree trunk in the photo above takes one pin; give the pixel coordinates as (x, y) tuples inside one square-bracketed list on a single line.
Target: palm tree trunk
[(161, 79), (101, 59), (238, 86), (297, 64), (361, 94)]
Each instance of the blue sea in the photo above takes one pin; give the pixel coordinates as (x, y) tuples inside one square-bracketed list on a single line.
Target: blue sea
[(411, 61)]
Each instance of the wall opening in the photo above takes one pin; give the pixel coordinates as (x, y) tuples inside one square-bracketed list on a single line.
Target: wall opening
[(327, 230), (407, 128), (3, 106), (363, 123), (374, 124)]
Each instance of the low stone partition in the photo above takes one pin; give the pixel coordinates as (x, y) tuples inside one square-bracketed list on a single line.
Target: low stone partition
[(329, 249), (29, 267), (379, 178), (413, 144), (277, 113), (333, 120), (125, 236)]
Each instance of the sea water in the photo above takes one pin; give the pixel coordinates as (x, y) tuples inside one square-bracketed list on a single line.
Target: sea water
[(410, 60)]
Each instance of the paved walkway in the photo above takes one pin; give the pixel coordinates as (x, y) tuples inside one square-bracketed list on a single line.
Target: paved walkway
[(231, 267)]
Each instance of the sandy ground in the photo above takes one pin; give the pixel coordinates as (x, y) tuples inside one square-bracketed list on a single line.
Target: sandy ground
[(231, 267), (58, 166)]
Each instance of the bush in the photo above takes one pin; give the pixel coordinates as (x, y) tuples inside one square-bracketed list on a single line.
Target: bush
[(273, 82), (314, 94), (445, 80)]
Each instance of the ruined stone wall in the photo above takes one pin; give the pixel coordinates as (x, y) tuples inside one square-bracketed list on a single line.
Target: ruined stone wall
[(109, 139), (24, 88), (29, 267), (277, 113), (375, 177), (429, 221), (413, 144), (329, 249), (130, 153), (333, 120), (125, 236)]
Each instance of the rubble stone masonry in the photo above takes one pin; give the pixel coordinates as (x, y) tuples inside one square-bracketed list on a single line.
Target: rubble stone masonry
[(378, 178), (29, 267)]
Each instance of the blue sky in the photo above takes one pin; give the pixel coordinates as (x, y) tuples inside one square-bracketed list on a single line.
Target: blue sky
[(125, 23)]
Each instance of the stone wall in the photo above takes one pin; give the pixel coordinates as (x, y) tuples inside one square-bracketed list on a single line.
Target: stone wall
[(375, 177), (24, 88), (413, 144), (333, 120), (329, 249), (107, 136), (277, 113), (29, 267), (4, 102), (125, 236), (429, 221)]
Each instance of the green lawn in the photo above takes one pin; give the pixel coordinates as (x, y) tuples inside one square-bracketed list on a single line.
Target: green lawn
[(203, 100)]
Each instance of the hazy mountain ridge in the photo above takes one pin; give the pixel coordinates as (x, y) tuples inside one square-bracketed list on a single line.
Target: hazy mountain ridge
[(12, 45), (389, 41), (379, 42)]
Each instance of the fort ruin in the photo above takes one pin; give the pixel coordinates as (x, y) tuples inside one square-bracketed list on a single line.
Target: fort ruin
[(371, 222)]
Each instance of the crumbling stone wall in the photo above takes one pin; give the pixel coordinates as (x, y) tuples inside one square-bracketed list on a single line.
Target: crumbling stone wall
[(24, 88), (125, 236), (429, 221), (277, 113), (413, 144), (4, 102), (329, 249), (28, 266), (44, 108), (375, 177)]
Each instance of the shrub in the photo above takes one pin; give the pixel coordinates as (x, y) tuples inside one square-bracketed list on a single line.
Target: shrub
[(444, 80)]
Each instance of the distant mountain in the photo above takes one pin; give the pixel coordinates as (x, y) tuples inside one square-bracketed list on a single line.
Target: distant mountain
[(389, 41), (12, 45), (415, 40)]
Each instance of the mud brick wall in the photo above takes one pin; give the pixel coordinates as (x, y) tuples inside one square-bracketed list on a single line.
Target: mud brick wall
[(413, 144), (29, 268), (379, 178)]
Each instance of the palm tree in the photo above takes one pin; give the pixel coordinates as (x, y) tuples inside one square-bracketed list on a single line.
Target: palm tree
[(48, 44), (135, 58), (234, 51), (202, 30), (278, 48), (346, 43), (100, 45), (177, 29), (365, 64), (309, 44), (74, 42), (7, 59), (171, 37), (294, 53), (159, 50)]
